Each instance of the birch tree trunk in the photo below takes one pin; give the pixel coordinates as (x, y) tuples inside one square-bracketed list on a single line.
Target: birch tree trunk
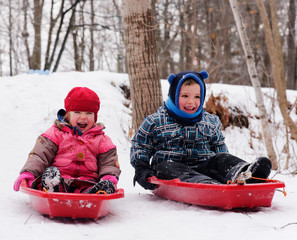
[(274, 47), (142, 61), (91, 49), (291, 52), (193, 40), (255, 81), (10, 40)]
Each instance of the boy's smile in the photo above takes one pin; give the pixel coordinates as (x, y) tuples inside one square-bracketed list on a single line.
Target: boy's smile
[(189, 98)]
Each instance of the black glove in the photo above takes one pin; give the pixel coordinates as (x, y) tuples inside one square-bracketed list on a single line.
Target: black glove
[(142, 172)]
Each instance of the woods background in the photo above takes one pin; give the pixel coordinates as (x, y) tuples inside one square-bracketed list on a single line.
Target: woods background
[(149, 39), (88, 35)]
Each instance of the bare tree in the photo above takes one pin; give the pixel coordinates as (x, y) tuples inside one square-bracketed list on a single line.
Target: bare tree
[(165, 36), (274, 46), (119, 40), (255, 81), (194, 32), (72, 8), (53, 21), (25, 33), (78, 36), (213, 40), (10, 40), (291, 52), (142, 59), (35, 59), (91, 49)]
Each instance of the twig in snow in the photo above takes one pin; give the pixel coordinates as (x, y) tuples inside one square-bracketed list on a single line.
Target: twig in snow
[(28, 219), (288, 225)]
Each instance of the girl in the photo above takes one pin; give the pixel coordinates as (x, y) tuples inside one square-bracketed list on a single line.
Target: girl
[(74, 155)]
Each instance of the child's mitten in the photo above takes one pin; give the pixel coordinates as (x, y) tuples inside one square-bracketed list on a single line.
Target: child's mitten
[(29, 177), (142, 172)]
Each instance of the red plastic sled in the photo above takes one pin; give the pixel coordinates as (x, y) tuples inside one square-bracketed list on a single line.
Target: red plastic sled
[(214, 195), (70, 204)]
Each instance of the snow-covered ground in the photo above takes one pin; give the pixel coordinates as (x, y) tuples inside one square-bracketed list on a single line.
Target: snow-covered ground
[(29, 103)]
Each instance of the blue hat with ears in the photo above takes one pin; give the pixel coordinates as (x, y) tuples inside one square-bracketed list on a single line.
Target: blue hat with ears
[(176, 82)]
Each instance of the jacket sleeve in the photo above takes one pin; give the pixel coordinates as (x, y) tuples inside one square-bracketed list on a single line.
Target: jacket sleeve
[(142, 147), (41, 156), (218, 140), (108, 163)]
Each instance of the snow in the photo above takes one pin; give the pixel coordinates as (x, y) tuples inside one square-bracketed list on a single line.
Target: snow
[(29, 103)]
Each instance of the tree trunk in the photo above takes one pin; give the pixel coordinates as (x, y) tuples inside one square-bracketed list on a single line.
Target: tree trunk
[(73, 10), (291, 52), (59, 30), (142, 60), (194, 32), (25, 33), (188, 36), (91, 50), (255, 81), (182, 46), (76, 57), (164, 54), (10, 39), (35, 60), (78, 36), (121, 60), (53, 21), (274, 46)]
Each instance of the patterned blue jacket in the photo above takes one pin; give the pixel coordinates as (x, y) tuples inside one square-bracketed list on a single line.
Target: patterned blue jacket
[(161, 138)]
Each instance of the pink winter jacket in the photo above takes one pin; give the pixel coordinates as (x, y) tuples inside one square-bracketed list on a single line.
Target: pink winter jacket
[(86, 157)]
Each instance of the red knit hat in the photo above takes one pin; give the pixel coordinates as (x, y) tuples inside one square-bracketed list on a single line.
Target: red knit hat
[(82, 99)]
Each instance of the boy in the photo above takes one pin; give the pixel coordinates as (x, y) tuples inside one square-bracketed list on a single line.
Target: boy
[(182, 141)]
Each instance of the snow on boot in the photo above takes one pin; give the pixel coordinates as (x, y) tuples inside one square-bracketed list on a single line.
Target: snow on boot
[(242, 173), (104, 186), (51, 179), (236, 173), (260, 168)]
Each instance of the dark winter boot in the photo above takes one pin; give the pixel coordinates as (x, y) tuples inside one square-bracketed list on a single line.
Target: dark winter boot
[(237, 173), (243, 172), (102, 187), (51, 179), (260, 168)]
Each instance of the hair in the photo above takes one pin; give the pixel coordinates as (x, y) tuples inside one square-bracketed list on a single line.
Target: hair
[(189, 82)]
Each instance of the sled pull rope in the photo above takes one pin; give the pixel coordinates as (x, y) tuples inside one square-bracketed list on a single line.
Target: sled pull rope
[(273, 180), (283, 191), (229, 182), (101, 192), (263, 179)]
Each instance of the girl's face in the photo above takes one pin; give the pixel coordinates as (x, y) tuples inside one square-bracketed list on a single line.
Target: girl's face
[(82, 120), (189, 98)]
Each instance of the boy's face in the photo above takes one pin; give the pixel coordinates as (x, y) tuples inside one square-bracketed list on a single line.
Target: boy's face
[(189, 98), (82, 120)]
